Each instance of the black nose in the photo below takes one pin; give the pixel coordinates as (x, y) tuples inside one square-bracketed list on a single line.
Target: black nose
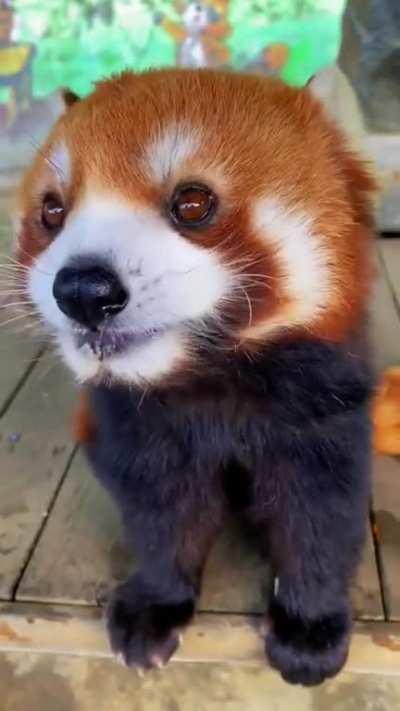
[(90, 295)]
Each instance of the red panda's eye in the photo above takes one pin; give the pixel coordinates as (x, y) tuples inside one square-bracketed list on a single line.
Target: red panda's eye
[(53, 213), (192, 205)]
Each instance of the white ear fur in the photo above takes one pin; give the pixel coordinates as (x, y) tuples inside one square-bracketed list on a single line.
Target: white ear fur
[(321, 84), (335, 92)]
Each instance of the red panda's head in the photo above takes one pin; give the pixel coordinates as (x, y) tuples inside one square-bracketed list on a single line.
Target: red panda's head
[(180, 210)]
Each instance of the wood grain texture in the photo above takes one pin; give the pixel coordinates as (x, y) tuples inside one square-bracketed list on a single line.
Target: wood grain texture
[(81, 556), (390, 251), (384, 151), (81, 552), (17, 355), (385, 324), (35, 447), (386, 499), (366, 590), (386, 470), (17, 350), (227, 639)]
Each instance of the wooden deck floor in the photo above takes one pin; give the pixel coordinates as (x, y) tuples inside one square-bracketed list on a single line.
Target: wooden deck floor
[(61, 546)]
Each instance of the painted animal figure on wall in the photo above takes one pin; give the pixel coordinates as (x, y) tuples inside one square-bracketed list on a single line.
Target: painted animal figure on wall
[(201, 33)]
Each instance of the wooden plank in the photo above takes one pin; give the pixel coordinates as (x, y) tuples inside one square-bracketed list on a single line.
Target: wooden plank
[(386, 497), (390, 251), (386, 470), (17, 355), (16, 351), (35, 447), (81, 555), (228, 639), (236, 579), (366, 590), (81, 552), (385, 324), (384, 151)]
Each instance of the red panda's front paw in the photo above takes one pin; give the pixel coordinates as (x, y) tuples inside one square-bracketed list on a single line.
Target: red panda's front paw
[(144, 631), (305, 651)]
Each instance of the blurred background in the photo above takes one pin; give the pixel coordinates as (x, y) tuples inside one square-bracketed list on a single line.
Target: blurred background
[(46, 45), (73, 43)]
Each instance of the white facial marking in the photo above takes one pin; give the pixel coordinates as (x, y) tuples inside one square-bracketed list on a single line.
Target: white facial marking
[(139, 365), (59, 161), (170, 282), (169, 151), (151, 361), (302, 256)]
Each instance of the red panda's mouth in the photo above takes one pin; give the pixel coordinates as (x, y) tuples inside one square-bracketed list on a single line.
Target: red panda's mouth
[(106, 342)]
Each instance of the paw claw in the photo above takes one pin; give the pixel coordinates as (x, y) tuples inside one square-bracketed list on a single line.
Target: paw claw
[(120, 659), (156, 661), (144, 632)]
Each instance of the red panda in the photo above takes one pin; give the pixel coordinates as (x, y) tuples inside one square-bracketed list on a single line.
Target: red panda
[(199, 243)]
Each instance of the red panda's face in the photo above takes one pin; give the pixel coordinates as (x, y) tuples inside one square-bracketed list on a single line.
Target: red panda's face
[(183, 210)]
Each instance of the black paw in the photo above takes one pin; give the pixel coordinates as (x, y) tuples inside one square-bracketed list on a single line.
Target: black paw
[(144, 630), (307, 652)]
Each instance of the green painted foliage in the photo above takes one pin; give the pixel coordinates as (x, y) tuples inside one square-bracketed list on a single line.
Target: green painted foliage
[(81, 41), (313, 41)]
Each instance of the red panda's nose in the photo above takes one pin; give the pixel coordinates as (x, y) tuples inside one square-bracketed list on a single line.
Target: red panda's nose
[(89, 296)]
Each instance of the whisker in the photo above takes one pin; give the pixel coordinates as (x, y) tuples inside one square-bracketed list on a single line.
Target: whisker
[(27, 254), (12, 273), (227, 239), (12, 292), (14, 318), (11, 269), (48, 160), (267, 277), (32, 324), (16, 265), (39, 334), (16, 279), (254, 282), (12, 260), (17, 303)]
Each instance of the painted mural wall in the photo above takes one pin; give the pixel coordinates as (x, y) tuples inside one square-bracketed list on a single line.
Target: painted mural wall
[(46, 45)]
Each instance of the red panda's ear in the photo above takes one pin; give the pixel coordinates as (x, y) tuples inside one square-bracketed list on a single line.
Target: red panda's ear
[(323, 84), (69, 97)]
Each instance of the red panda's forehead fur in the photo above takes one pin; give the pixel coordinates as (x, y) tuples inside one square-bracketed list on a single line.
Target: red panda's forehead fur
[(260, 136), (253, 139)]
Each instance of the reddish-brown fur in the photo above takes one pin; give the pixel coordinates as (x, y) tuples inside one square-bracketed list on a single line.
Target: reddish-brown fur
[(261, 138), (83, 427)]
